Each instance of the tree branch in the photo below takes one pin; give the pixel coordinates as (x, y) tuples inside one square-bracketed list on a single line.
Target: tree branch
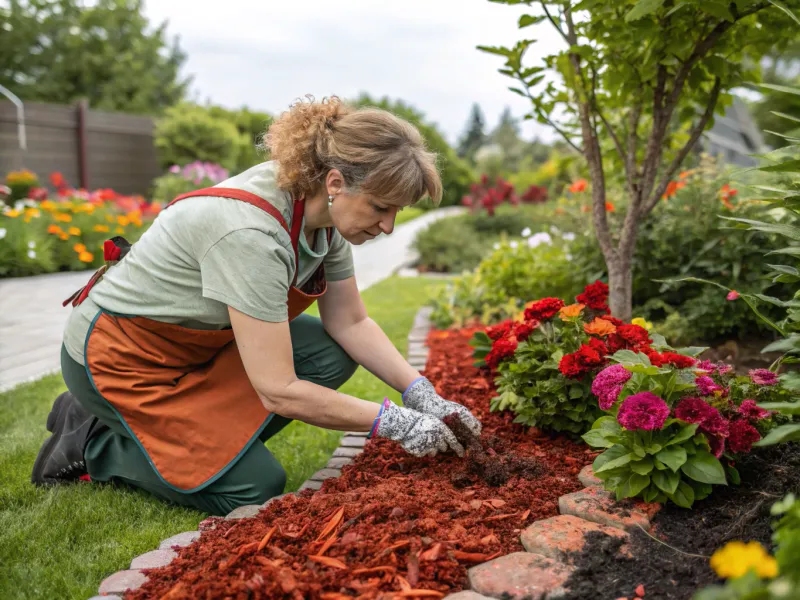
[(553, 21), (610, 129), (697, 131), (633, 140)]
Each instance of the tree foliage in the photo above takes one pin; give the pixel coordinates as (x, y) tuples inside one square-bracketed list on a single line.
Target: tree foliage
[(61, 50), (633, 87), (474, 136)]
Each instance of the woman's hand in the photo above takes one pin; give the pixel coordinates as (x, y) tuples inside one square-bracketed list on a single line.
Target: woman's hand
[(422, 396), (418, 434)]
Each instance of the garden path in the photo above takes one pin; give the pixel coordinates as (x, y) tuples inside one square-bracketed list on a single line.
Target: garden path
[(32, 318)]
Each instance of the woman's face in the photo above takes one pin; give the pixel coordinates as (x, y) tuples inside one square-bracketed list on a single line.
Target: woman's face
[(361, 217)]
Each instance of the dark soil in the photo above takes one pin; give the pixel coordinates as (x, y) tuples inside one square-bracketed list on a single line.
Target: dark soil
[(732, 513), (486, 464), (743, 355), (390, 522)]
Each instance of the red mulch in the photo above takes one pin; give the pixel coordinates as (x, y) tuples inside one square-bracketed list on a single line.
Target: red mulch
[(392, 525)]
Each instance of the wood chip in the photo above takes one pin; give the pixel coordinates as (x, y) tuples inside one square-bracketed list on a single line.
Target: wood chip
[(432, 553), (332, 523), (265, 540), (525, 515), (470, 557), (499, 517), (328, 561), (419, 594), (386, 568), (402, 582), (326, 545)]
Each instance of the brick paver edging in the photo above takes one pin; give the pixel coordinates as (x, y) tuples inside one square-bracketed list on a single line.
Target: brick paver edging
[(539, 573)]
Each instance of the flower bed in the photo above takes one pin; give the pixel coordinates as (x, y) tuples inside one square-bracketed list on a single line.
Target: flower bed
[(391, 522)]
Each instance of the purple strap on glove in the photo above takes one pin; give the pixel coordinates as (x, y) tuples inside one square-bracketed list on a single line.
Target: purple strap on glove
[(377, 421), (410, 385)]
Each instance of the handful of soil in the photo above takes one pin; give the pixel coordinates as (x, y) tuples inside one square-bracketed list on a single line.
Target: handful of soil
[(486, 464)]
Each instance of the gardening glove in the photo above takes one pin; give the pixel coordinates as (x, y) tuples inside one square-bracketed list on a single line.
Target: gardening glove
[(418, 434), (422, 396)]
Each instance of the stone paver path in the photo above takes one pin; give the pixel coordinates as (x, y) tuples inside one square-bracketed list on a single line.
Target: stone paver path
[(32, 319)]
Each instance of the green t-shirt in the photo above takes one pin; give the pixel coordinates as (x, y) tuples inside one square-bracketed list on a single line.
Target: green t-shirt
[(205, 254)]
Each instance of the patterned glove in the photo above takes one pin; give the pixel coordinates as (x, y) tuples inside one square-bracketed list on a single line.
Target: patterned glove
[(417, 433), (422, 396)]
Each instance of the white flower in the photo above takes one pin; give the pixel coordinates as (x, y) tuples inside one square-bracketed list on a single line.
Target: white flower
[(3, 232), (513, 243), (19, 205), (31, 244), (568, 256), (569, 236), (553, 229), (31, 253), (526, 232), (497, 246), (539, 238)]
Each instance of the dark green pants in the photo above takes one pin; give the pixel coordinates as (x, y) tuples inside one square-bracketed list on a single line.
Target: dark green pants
[(112, 455)]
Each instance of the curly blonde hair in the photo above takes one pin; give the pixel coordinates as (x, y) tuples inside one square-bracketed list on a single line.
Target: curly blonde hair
[(376, 152)]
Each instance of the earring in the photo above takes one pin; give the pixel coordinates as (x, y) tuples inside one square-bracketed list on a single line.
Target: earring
[(330, 201)]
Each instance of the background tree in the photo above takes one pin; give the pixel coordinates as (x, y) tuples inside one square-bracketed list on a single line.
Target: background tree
[(636, 85), (780, 68), (474, 136), (61, 50)]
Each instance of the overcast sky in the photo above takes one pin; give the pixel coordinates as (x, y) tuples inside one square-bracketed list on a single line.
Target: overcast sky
[(265, 53)]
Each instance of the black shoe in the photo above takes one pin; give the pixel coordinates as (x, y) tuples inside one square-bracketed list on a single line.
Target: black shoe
[(61, 458)]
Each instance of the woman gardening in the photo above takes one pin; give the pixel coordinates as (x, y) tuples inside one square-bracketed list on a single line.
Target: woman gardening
[(192, 350)]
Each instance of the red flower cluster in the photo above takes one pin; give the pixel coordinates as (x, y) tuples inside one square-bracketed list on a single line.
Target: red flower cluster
[(543, 309), (522, 331), (629, 337), (595, 296), (742, 436), (501, 350), (482, 196), (589, 357), (501, 330), (679, 361), (534, 195)]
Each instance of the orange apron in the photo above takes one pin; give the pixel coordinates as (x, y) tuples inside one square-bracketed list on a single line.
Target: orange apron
[(183, 394)]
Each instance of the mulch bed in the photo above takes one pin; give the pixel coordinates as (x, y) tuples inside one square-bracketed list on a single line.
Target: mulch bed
[(733, 513), (392, 525)]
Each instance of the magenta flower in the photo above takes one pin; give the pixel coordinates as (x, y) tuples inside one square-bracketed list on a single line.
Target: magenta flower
[(724, 369), (706, 385), (732, 295), (694, 410), (608, 385), (716, 444), (751, 410), (711, 422), (644, 411), (763, 377), (743, 436)]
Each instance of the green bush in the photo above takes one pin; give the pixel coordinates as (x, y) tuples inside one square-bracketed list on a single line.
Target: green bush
[(252, 125), (188, 132)]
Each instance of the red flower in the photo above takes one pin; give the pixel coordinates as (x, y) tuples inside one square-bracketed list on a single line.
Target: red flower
[(37, 193), (732, 295), (589, 357), (500, 330), (634, 335), (617, 322), (523, 330), (570, 367), (543, 309), (466, 201), (502, 349), (595, 296), (656, 359), (578, 186), (679, 361), (58, 181), (742, 436)]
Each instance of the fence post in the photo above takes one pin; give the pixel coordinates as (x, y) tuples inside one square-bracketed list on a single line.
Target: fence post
[(83, 159)]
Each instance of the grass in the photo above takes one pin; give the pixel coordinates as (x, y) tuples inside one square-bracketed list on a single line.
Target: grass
[(407, 214), (60, 543)]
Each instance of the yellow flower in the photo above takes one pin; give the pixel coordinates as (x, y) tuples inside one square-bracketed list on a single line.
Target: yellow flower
[(48, 205), (33, 213), (79, 248), (74, 231), (109, 218), (55, 229), (101, 228), (13, 213), (86, 257), (119, 230), (64, 218), (736, 558), (642, 323), (571, 311), (123, 221)]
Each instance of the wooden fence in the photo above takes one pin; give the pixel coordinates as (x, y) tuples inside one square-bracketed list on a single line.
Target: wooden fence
[(92, 149)]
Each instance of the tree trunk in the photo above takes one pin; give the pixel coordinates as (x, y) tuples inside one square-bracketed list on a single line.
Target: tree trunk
[(620, 287)]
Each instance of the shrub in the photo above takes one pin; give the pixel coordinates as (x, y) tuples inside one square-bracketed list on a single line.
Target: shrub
[(20, 183), (194, 176), (189, 133)]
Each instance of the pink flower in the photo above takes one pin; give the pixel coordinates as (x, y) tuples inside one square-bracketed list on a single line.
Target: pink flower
[(743, 436), (644, 411), (732, 295), (716, 444), (174, 169), (763, 377), (706, 386), (711, 368), (694, 410), (711, 423), (608, 384), (750, 410)]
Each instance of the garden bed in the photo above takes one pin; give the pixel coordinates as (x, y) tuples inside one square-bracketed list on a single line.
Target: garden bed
[(391, 522)]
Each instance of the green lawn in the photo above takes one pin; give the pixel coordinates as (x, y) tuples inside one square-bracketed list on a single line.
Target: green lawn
[(60, 543), (407, 214)]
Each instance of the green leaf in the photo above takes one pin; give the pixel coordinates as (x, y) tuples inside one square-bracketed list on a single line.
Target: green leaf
[(783, 433), (667, 481), (777, 4), (673, 457), (499, 50), (650, 494), (615, 463), (675, 8), (683, 496), (643, 466), (705, 468), (526, 20), (612, 453), (684, 434), (787, 408), (780, 88), (716, 9), (642, 9), (632, 485), (733, 475), (788, 166), (597, 438)]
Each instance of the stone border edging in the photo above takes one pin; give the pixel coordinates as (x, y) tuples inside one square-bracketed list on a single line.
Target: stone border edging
[(538, 572)]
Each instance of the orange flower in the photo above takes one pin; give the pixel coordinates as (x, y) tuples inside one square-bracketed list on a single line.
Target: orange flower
[(109, 218), (578, 186), (684, 174), (725, 194), (123, 221), (101, 228), (560, 211), (86, 257), (672, 187), (79, 248), (600, 327), (55, 229), (64, 218), (610, 207), (585, 208), (63, 236), (74, 231), (571, 311), (680, 185), (119, 230)]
